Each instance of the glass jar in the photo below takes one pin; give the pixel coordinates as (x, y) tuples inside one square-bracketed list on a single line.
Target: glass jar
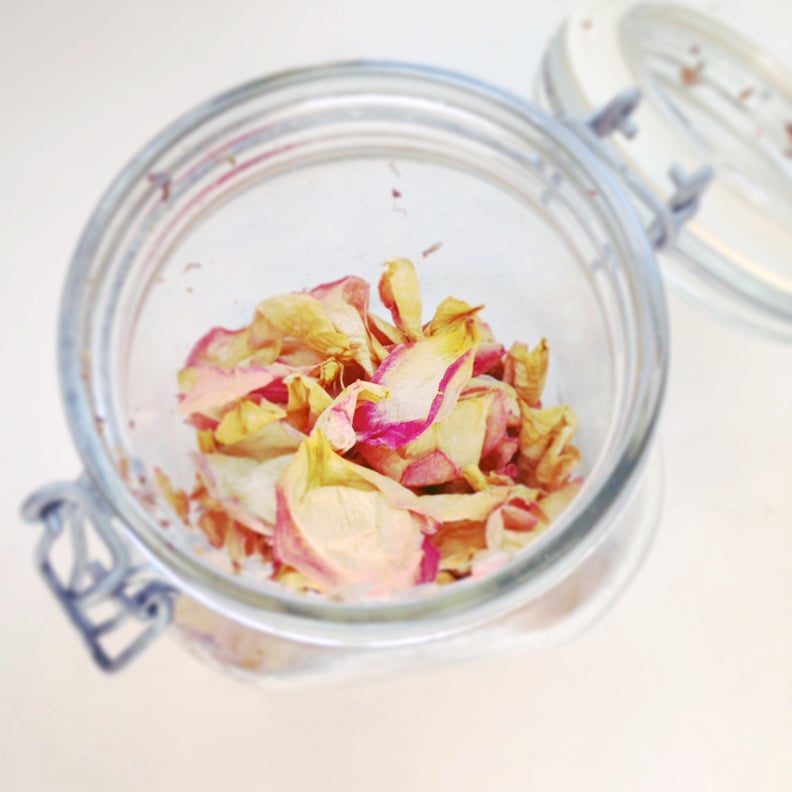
[(300, 179)]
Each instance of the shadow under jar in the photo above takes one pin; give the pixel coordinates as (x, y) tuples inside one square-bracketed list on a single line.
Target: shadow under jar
[(301, 179)]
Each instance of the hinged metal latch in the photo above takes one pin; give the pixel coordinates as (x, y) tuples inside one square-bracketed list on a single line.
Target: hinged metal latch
[(122, 591), (668, 218)]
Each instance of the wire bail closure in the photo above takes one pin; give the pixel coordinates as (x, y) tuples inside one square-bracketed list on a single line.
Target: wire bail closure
[(71, 508), (668, 218)]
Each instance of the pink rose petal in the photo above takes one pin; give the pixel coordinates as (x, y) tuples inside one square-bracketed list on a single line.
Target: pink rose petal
[(215, 387), (424, 380)]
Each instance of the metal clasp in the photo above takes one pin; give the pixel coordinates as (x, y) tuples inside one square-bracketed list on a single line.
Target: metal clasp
[(667, 218), (126, 591)]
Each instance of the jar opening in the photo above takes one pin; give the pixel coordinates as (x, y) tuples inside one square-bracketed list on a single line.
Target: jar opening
[(288, 182)]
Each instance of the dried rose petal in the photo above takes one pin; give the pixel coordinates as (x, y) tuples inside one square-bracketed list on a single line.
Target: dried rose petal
[(246, 419), (302, 317), (547, 458), (336, 421), (272, 440), (447, 446), (551, 506), (243, 487), (400, 293), (346, 304), (177, 499), (430, 562), (314, 330), (210, 388), (527, 371), (451, 314), (458, 543), (424, 380), (539, 427), (348, 529), (306, 402), (228, 349), (384, 333)]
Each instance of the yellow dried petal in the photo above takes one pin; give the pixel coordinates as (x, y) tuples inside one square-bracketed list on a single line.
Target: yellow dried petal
[(177, 499), (206, 441), (540, 426), (272, 440), (475, 478), (302, 317), (450, 315), (349, 529), (458, 543), (245, 419), (306, 402), (559, 461), (244, 488), (400, 292), (527, 370)]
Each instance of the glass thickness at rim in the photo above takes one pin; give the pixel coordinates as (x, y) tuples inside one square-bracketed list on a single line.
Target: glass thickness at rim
[(458, 606)]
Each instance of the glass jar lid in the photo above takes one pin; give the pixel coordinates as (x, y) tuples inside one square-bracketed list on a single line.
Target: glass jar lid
[(712, 98)]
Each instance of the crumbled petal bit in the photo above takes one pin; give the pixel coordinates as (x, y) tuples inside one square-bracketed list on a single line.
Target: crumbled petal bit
[(162, 180), (691, 75), (346, 528), (223, 532), (401, 295), (177, 499), (431, 249), (359, 457), (293, 578)]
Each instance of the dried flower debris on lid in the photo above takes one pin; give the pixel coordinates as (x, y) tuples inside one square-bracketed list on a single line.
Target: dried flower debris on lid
[(361, 456)]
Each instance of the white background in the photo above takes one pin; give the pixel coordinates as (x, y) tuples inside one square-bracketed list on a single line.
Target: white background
[(685, 685)]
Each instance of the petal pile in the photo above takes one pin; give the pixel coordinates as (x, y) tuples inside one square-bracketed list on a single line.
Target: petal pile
[(363, 456)]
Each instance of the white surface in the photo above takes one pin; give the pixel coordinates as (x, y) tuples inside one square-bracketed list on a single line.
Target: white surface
[(685, 685)]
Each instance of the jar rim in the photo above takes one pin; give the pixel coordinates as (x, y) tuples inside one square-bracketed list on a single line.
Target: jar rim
[(371, 623)]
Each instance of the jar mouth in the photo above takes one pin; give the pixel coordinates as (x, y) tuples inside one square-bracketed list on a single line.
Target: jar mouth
[(109, 268)]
